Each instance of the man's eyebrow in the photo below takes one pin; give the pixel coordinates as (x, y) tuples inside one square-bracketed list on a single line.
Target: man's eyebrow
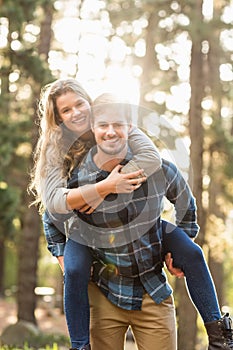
[(111, 122)]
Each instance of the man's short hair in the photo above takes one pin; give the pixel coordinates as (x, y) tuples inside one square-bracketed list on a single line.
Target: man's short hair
[(110, 102)]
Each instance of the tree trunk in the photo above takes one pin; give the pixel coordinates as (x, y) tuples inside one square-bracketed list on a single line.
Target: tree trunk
[(196, 132), (5, 71), (186, 312), (29, 244), (150, 64), (217, 272), (2, 264), (215, 170), (28, 257), (186, 317)]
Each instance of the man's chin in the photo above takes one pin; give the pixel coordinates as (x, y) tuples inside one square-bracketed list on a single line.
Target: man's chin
[(112, 149), (111, 152)]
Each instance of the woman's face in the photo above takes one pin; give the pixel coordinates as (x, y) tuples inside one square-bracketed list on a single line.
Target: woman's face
[(74, 111)]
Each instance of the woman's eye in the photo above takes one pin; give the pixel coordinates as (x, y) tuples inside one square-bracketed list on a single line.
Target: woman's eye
[(64, 111), (80, 104)]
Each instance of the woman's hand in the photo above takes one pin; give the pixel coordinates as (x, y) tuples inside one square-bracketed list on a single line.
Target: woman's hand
[(173, 270), (116, 182), (125, 183)]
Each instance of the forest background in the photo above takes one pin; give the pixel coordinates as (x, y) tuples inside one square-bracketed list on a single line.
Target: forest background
[(171, 58)]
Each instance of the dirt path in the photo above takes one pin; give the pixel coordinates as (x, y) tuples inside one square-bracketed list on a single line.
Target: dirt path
[(50, 320)]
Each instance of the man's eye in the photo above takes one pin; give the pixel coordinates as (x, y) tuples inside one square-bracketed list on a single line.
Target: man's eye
[(102, 125), (118, 125)]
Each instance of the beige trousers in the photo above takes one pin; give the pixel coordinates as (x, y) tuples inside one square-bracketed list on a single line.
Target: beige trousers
[(154, 326)]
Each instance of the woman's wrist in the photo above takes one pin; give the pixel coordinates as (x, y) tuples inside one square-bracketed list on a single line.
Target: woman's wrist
[(105, 187)]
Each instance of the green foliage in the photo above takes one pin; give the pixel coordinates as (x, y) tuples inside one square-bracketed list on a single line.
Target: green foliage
[(24, 9), (16, 122), (27, 58), (222, 142), (9, 201), (11, 264), (23, 72), (11, 137)]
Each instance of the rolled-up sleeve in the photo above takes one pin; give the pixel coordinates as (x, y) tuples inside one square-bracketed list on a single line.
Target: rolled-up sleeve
[(56, 240)]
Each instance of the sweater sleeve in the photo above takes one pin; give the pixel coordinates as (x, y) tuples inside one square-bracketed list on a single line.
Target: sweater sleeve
[(180, 195), (54, 192), (145, 154)]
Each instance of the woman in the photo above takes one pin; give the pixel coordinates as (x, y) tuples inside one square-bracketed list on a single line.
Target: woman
[(65, 109)]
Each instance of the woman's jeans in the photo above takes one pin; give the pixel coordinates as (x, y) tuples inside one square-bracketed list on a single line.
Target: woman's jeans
[(186, 255), (189, 257), (77, 262)]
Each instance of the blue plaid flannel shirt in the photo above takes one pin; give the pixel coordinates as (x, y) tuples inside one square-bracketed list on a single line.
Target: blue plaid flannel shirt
[(124, 233)]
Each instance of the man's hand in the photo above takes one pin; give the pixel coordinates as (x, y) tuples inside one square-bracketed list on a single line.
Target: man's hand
[(60, 259), (173, 270)]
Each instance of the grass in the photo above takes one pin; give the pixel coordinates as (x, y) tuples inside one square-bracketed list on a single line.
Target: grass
[(42, 342), (26, 347)]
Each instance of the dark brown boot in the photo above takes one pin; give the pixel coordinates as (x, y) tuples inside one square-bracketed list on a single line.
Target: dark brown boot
[(220, 334)]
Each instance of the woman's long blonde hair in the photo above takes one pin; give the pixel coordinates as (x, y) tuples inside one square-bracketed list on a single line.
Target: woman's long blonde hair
[(54, 139)]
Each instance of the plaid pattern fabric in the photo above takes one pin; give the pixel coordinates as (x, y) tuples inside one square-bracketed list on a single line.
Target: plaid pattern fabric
[(125, 233), (56, 240)]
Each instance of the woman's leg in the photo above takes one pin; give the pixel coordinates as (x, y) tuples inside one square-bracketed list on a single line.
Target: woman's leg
[(189, 257), (77, 261)]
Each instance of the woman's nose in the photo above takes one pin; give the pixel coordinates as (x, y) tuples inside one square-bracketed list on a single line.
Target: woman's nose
[(75, 111)]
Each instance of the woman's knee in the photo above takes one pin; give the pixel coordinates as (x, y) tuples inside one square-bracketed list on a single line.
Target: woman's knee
[(76, 270), (195, 252), (77, 260)]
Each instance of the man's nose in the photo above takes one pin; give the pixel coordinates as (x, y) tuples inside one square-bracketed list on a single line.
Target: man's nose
[(110, 130)]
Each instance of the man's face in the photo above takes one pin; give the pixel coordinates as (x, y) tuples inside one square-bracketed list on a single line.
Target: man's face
[(111, 128)]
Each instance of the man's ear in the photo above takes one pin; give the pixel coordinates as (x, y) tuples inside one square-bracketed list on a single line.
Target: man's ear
[(130, 127)]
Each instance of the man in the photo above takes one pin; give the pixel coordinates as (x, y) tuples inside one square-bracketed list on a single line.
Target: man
[(125, 234)]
